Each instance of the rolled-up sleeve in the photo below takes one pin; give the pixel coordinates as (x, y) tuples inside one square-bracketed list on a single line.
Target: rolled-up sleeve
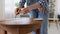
[(43, 3), (22, 2)]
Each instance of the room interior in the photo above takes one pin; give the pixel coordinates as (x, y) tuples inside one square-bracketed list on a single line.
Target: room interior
[(7, 12)]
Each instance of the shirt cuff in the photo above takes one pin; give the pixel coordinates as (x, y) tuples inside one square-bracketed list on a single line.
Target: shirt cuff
[(42, 3)]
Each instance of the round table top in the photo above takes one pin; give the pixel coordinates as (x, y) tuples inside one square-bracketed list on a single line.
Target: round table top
[(18, 21)]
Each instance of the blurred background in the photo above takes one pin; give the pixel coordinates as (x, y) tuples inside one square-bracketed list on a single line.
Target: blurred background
[(7, 8)]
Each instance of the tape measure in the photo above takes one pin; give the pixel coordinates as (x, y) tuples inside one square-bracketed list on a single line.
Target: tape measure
[(18, 11)]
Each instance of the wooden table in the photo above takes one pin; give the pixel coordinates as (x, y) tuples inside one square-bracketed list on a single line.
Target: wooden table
[(21, 25)]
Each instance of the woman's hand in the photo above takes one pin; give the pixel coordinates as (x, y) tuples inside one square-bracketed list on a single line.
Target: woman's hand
[(17, 11), (25, 10)]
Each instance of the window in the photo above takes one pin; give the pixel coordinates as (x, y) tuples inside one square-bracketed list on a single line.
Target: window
[(10, 7)]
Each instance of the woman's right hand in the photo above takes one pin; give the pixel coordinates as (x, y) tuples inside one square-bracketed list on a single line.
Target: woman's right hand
[(17, 11)]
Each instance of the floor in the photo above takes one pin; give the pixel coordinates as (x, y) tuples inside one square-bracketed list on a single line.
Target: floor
[(53, 29)]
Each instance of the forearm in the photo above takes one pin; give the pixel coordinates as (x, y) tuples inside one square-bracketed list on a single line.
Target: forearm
[(34, 6)]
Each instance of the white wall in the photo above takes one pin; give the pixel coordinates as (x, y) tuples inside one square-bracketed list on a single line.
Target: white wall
[(9, 8), (58, 6), (1, 9)]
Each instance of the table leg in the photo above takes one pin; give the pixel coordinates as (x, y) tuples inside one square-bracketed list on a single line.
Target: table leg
[(5, 32), (38, 31)]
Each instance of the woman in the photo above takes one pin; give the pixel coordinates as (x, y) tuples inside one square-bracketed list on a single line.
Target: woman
[(36, 7)]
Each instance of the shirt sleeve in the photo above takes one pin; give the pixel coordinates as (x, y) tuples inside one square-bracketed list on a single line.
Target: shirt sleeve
[(21, 3), (43, 3)]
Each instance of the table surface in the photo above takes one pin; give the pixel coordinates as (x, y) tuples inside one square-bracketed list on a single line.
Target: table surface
[(22, 21), (19, 21)]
